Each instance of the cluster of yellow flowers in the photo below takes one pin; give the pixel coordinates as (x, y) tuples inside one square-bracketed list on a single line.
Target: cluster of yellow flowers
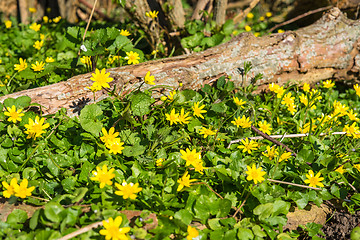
[(21, 191), (37, 67), (112, 142)]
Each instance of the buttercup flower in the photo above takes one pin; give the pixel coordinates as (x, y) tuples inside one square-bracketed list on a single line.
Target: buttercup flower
[(255, 174), (357, 89), (173, 117), (86, 60), (238, 102), (285, 156), (250, 15), (159, 162), (34, 26), (268, 14), (112, 229), (243, 122), (36, 128), (171, 96), (100, 79), (265, 127), (340, 169), (328, 84), (149, 79), (128, 190), (49, 60), (38, 66), (271, 152), (103, 175), (22, 190), (115, 146), (184, 181), (22, 66), (32, 10), (183, 117), (198, 110), (247, 28), (352, 115), (314, 180), (13, 114), (152, 14), (8, 24), (207, 132), (124, 33), (192, 233), (352, 130), (10, 189), (108, 138), (248, 146), (57, 19), (306, 87), (288, 100), (132, 57), (45, 19), (191, 157)]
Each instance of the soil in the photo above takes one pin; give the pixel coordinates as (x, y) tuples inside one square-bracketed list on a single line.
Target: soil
[(340, 224)]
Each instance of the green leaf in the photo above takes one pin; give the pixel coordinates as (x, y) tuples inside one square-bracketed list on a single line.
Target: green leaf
[(90, 119), (74, 34), (35, 219), (258, 231), (244, 234), (356, 198), (192, 41), (52, 211), (69, 184), (16, 218), (228, 27), (140, 104), (219, 107), (133, 151), (264, 210), (184, 215), (194, 26)]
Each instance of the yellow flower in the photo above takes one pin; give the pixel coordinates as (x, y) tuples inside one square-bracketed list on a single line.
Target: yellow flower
[(115, 146), (36, 128), (192, 233), (306, 128), (154, 52), (292, 109), (57, 19), (306, 87), (103, 175), (149, 79), (183, 117), (265, 127), (340, 169), (199, 166), (38, 44), (248, 146), (133, 57), (108, 138), (255, 174), (173, 117), (274, 87), (152, 14), (191, 157), (38, 66), (247, 28), (124, 33), (22, 66), (352, 115), (13, 114), (262, 18), (352, 130), (159, 162), (32, 10), (184, 181), (285, 156), (49, 60), (22, 190), (268, 14), (288, 100), (357, 89), (271, 152), (328, 84), (8, 24), (45, 19), (112, 229), (10, 189), (86, 60), (207, 132), (357, 166), (314, 180), (100, 79), (250, 15), (243, 122), (340, 109), (42, 36), (34, 26), (198, 110), (257, 34), (280, 31), (238, 102), (128, 190)]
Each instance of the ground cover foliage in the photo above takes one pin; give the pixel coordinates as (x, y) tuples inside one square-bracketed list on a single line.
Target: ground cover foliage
[(173, 158)]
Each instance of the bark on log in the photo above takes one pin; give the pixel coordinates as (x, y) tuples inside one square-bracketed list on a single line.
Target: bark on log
[(327, 49)]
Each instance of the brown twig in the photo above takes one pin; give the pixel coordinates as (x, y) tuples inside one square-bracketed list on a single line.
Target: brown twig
[(242, 204), (293, 184), (81, 230), (88, 24), (299, 17), (267, 137), (241, 15)]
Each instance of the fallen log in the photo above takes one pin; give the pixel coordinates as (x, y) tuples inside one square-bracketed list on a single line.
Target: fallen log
[(326, 49)]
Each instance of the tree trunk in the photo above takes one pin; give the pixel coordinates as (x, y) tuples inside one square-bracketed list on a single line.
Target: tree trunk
[(327, 49)]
